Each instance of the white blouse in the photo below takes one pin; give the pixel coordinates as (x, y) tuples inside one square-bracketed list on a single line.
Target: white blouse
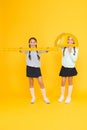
[(34, 61), (69, 59)]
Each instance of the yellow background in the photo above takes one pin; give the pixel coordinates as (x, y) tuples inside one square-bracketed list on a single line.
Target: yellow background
[(19, 20)]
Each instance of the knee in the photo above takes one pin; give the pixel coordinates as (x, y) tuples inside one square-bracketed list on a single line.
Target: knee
[(70, 80)]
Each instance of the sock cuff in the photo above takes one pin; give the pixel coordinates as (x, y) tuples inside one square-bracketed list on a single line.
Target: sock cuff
[(32, 88), (62, 86), (42, 89), (70, 86)]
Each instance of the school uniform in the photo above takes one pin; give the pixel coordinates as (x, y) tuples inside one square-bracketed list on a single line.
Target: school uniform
[(33, 70), (68, 63), (33, 65)]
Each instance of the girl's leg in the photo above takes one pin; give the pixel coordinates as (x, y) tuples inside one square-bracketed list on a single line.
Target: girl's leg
[(43, 91), (70, 81), (31, 83), (62, 89)]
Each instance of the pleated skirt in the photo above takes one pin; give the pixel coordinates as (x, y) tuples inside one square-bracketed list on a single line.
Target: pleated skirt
[(33, 72), (67, 72)]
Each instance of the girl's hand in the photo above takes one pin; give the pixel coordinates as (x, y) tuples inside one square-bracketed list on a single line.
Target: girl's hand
[(20, 49), (47, 49), (70, 49)]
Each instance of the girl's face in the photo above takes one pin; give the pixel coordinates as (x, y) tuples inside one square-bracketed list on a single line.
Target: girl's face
[(70, 40), (32, 43)]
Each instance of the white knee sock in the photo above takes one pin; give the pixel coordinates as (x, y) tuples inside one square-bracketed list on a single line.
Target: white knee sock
[(68, 99), (70, 91), (62, 94), (43, 91), (32, 94)]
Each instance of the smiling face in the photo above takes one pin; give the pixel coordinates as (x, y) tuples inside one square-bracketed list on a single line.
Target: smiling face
[(70, 40), (32, 42)]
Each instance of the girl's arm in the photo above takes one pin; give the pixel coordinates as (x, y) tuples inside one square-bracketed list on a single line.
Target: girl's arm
[(74, 57), (43, 51), (22, 51)]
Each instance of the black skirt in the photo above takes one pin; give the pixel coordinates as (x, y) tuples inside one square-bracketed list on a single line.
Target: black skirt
[(67, 72), (33, 72)]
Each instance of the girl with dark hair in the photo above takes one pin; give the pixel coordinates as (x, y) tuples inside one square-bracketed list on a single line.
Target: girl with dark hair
[(68, 69), (33, 69)]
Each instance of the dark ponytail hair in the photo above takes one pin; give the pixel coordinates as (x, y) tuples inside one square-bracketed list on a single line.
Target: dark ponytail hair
[(30, 47), (33, 39)]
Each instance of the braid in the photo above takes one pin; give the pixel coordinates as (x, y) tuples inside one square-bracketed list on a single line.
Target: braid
[(35, 46), (29, 55), (38, 55)]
